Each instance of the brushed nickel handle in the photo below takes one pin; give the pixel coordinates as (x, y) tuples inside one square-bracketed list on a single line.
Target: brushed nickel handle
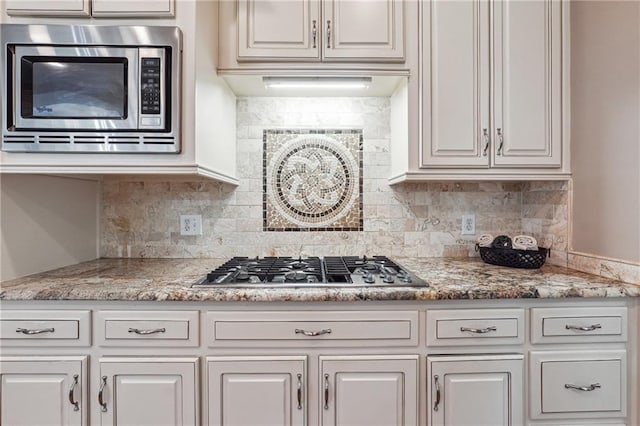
[(501, 139), (35, 331), (485, 138), (314, 33), (313, 333), (589, 388), (103, 404), (299, 391), (145, 332), (328, 34), (437, 385), (326, 391), (588, 328), (76, 405), (479, 330)]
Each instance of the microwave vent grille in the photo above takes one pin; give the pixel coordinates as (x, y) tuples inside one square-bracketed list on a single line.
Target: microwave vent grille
[(89, 143)]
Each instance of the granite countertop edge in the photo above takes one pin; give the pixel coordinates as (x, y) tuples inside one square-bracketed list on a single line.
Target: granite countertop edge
[(171, 280)]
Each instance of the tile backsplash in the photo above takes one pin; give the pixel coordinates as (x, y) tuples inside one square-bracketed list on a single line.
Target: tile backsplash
[(140, 216)]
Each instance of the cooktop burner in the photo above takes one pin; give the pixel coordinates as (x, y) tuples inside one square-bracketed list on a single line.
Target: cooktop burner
[(332, 271)]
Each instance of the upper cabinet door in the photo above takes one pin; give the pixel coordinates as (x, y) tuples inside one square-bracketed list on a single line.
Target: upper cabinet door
[(278, 30), (455, 91), (48, 7), (356, 30), (527, 37), (131, 8)]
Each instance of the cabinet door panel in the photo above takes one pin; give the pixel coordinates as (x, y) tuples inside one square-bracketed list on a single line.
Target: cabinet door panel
[(527, 72), (369, 391), (149, 392), (36, 393), (357, 30), (481, 390), (132, 8), (48, 7), (248, 391), (455, 76), (278, 29)]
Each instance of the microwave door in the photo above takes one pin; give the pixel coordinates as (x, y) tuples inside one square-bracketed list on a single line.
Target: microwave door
[(76, 88)]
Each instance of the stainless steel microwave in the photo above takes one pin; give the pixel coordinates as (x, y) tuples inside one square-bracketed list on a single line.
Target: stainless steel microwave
[(71, 88)]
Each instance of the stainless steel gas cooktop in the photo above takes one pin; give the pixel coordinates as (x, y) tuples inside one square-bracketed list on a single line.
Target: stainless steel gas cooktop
[(345, 271)]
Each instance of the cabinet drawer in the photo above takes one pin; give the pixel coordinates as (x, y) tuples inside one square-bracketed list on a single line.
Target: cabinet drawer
[(578, 384), (475, 327), (569, 325), (334, 328), (147, 328), (45, 328)]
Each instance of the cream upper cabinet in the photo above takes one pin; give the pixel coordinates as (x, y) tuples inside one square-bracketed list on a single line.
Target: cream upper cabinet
[(527, 74), (491, 82), (278, 29), (314, 30), (125, 8), (356, 30), (456, 84), (49, 7), (107, 8)]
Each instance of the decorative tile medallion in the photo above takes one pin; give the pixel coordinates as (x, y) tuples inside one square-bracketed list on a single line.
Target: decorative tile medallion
[(312, 180)]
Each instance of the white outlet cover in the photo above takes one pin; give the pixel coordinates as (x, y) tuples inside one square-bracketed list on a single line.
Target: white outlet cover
[(190, 224), (468, 224)]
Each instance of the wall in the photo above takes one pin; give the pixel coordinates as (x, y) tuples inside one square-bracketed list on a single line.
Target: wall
[(45, 223), (605, 128), (141, 215)]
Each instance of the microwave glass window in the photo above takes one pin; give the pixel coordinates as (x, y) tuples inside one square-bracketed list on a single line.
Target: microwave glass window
[(74, 89)]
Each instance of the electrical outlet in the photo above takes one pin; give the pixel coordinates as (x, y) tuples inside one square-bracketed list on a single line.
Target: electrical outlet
[(190, 224), (468, 224)]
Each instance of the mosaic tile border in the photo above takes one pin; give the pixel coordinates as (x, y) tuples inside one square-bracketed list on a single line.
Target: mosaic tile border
[(356, 194)]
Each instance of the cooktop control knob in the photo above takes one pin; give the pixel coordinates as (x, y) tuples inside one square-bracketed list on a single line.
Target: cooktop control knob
[(369, 279), (388, 278)]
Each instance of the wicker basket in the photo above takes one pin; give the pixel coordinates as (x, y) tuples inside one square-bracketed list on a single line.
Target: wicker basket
[(529, 259)]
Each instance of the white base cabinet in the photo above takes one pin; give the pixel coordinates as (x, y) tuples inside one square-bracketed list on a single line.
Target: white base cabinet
[(148, 392), (369, 390), (43, 391), (247, 391), (404, 363), (485, 390)]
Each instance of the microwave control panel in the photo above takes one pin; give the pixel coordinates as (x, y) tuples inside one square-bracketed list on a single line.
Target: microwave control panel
[(150, 95)]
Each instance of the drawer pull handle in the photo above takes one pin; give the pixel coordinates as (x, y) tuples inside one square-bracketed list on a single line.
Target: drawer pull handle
[(437, 385), (75, 404), (589, 328), (479, 330), (145, 332), (326, 391), (299, 393), (35, 331), (103, 404), (313, 333), (589, 388)]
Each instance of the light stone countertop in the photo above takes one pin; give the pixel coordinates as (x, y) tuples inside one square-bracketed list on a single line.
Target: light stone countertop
[(171, 279)]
